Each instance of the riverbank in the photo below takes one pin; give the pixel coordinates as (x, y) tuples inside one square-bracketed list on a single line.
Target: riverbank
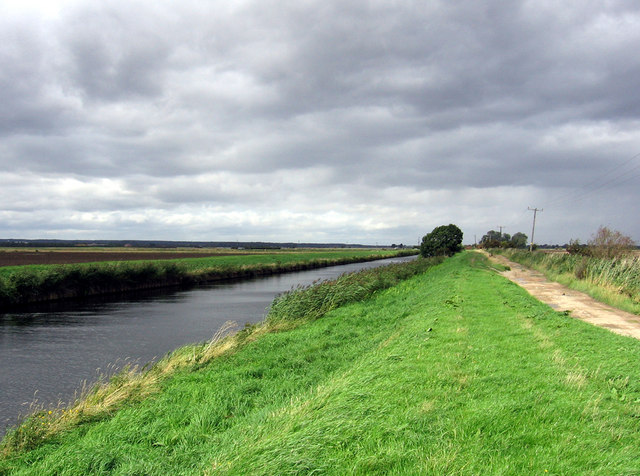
[(426, 377), (306, 303), (21, 285)]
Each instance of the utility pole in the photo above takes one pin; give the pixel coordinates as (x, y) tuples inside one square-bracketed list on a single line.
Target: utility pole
[(533, 230), (501, 227)]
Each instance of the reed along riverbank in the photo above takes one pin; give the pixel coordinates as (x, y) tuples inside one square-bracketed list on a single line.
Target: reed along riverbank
[(36, 283), (453, 371)]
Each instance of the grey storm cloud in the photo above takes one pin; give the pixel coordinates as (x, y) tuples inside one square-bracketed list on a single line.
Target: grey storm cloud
[(367, 121)]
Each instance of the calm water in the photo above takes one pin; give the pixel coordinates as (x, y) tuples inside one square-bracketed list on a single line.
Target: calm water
[(47, 353)]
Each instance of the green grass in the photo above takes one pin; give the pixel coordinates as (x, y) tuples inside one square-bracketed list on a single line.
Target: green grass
[(455, 371), (289, 310), (613, 281), (32, 283)]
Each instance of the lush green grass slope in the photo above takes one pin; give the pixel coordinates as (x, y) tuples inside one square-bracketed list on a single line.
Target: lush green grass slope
[(456, 371)]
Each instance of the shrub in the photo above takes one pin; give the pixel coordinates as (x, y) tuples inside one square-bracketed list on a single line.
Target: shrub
[(444, 240), (575, 248), (609, 244), (581, 269)]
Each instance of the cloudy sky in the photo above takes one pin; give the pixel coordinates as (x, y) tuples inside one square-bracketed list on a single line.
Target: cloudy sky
[(318, 120)]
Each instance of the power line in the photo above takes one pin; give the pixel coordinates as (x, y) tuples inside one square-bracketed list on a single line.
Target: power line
[(614, 177), (615, 181)]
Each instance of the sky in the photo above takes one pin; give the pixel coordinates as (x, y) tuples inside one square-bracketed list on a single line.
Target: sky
[(318, 120)]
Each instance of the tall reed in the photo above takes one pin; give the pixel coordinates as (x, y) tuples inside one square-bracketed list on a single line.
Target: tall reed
[(312, 302)]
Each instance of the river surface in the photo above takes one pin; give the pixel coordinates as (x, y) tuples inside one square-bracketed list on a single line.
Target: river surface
[(47, 353)]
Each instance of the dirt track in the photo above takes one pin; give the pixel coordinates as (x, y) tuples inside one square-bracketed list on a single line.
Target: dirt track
[(563, 298), (20, 258)]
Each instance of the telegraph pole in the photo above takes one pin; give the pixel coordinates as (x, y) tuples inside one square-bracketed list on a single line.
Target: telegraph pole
[(533, 230), (501, 227)]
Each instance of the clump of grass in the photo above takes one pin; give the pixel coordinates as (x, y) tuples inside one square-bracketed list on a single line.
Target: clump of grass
[(312, 302), (132, 384)]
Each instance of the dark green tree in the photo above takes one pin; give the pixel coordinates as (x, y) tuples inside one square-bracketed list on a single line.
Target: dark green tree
[(443, 240), (519, 240), (491, 240)]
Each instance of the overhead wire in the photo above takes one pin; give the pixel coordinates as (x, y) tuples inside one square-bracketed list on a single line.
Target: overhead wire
[(598, 184)]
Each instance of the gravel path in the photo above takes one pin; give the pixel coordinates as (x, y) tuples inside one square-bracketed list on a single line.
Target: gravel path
[(563, 298)]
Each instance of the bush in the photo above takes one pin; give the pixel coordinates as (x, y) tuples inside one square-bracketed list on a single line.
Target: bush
[(610, 244), (575, 248), (444, 240)]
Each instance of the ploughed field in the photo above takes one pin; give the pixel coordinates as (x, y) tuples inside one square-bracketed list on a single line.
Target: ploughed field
[(21, 258)]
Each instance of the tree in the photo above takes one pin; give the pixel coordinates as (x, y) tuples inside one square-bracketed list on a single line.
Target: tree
[(493, 239), (490, 238), (443, 240), (519, 240), (608, 243)]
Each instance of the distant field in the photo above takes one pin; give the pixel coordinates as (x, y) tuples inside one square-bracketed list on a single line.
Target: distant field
[(65, 256), (12, 260), (66, 274)]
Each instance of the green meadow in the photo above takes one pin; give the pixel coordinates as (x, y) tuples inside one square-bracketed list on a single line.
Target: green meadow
[(454, 370)]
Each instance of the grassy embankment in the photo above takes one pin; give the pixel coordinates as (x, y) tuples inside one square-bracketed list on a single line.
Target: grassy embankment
[(308, 303), (613, 281), (33, 283), (455, 371)]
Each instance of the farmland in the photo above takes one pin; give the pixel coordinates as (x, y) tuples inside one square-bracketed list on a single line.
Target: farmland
[(64, 256), (40, 282), (61, 256), (426, 377)]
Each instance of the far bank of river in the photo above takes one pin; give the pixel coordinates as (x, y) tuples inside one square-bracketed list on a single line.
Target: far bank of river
[(48, 352)]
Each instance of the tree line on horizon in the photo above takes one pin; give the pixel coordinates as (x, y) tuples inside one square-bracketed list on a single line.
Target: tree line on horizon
[(495, 239)]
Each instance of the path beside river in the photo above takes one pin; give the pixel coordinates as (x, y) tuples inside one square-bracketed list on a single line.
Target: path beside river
[(562, 298)]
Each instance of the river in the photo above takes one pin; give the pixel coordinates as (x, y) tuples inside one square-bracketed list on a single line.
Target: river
[(48, 352)]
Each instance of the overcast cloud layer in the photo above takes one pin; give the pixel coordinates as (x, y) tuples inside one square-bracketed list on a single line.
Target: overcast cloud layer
[(323, 121)]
